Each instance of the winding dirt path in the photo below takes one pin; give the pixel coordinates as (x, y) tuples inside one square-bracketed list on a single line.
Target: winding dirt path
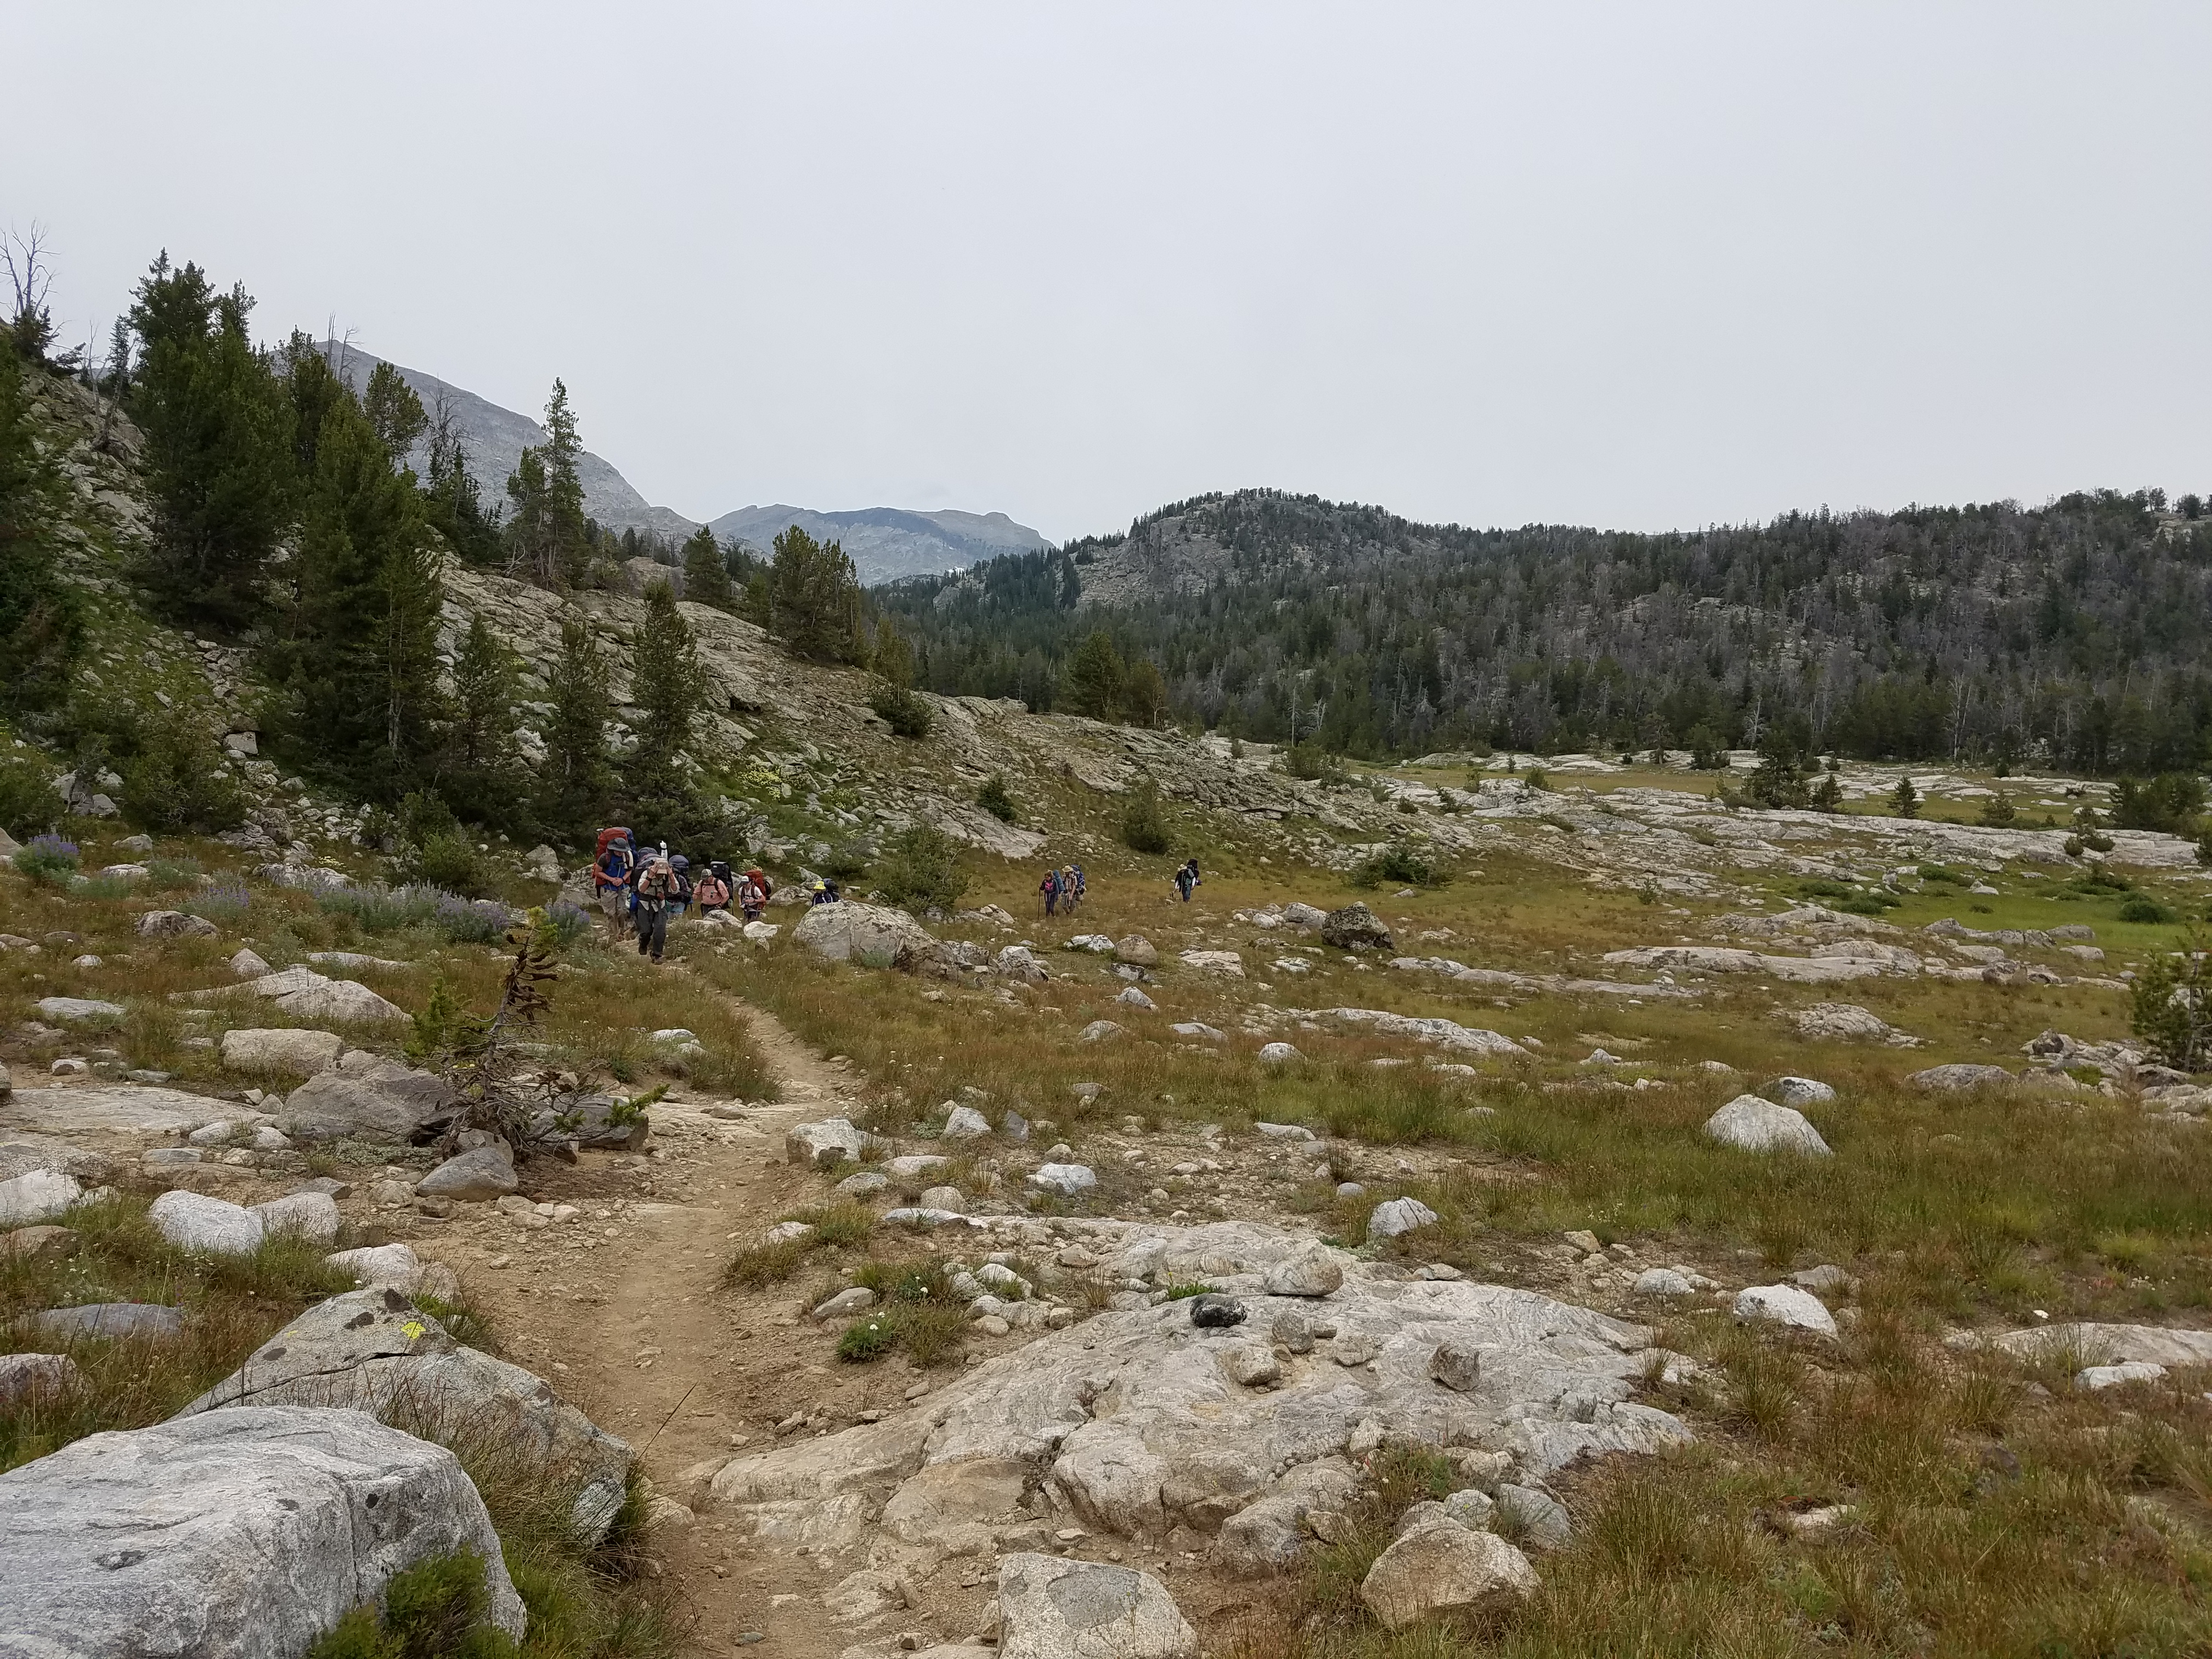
[(624, 1311)]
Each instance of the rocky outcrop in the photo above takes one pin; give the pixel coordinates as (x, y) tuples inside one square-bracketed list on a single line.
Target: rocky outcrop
[(301, 1052), (246, 1534), (1760, 1126), (1051, 1608), (1133, 1421), (1847, 1022), (870, 935), (1445, 1033), (374, 1350), (367, 1098), (1443, 1567), (1355, 927)]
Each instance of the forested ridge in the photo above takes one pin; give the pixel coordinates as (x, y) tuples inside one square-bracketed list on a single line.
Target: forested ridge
[(2079, 632)]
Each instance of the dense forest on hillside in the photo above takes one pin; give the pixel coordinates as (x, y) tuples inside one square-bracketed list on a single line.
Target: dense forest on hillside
[(2080, 632)]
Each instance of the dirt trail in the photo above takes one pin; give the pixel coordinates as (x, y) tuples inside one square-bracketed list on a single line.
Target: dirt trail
[(639, 1332)]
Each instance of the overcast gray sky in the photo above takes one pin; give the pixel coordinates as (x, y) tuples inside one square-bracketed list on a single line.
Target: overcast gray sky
[(1635, 266)]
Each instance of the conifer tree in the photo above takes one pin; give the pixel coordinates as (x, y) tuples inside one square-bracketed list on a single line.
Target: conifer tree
[(550, 540), (1096, 677), (363, 645), (218, 431), (669, 683), (572, 789), (394, 410), (706, 571), (814, 599), (477, 771)]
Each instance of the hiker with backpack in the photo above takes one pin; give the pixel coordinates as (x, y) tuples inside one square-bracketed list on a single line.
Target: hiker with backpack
[(753, 893), (1186, 879), (611, 872), (656, 890), (713, 892), (1049, 891), (681, 867)]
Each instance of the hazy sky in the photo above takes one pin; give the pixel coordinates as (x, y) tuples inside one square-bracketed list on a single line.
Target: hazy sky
[(1637, 266)]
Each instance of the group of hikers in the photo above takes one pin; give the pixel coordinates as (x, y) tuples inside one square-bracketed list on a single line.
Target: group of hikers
[(1062, 890), (641, 887)]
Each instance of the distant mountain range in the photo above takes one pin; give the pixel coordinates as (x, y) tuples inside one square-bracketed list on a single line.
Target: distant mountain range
[(884, 542)]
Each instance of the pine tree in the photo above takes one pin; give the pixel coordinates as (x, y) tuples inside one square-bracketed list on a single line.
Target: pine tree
[(218, 433), (1095, 679), (814, 599), (572, 789), (564, 488), (41, 617), (706, 571), (668, 684), (476, 774), (452, 501), (550, 543), (361, 649), (1904, 799), (893, 698), (394, 410)]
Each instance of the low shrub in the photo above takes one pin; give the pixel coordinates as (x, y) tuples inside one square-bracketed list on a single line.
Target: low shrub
[(171, 875), (920, 867), (28, 801), (1400, 862), (993, 799), (226, 901), (2141, 907), (50, 860), (1144, 823)]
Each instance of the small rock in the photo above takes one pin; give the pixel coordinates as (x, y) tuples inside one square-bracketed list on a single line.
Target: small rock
[(1955, 1077), (1251, 1366), (246, 965), (36, 1196), (1278, 1053), (1583, 1240), (1355, 927), (208, 1226), (38, 1243), (1457, 1366), (1349, 1189), (1211, 1310), (1399, 1216), (1826, 1280), (1137, 950), (50, 1376), (1311, 1272), (1283, 1131), (1760, 1126), (1471, 1507), (1130, 997), (1784, 1305), (865, 1184), (1068, 1180), (1099, 1030), (478, 1176), (854, 1299), (966, 1123), (1536, 1518), (172, 924), (1662, 1281), (2111, 1377), (1445, 1568)]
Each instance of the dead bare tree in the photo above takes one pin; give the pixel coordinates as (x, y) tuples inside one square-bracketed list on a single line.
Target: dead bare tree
[(30, 275)]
